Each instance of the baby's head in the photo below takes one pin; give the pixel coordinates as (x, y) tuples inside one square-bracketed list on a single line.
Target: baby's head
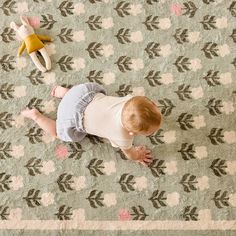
[(141, 116)]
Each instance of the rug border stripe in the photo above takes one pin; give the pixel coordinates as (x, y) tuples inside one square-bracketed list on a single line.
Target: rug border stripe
[(117, 225)]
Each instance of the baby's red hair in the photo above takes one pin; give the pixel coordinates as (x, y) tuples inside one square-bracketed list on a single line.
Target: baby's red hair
[(139, 113)]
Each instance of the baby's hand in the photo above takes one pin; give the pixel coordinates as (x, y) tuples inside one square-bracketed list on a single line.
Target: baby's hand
[(144, 155)]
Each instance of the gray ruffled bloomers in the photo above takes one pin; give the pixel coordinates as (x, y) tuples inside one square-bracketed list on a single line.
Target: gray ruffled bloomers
[(70, 113)]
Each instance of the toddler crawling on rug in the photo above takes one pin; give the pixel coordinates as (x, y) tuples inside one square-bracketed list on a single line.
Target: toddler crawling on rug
[(86, 109)]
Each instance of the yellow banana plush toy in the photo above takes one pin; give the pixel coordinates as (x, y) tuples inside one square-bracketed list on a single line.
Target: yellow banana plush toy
[(33, 43)]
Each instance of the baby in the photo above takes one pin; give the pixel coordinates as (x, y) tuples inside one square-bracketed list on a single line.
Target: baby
[(86, 109)]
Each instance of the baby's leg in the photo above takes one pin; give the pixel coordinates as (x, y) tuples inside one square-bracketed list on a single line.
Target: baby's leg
[(59, 91), (45, 123)]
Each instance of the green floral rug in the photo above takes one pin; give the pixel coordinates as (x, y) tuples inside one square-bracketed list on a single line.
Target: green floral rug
[(182, 54)]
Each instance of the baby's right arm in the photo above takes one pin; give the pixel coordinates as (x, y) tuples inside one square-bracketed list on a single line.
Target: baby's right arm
[(139, 153)]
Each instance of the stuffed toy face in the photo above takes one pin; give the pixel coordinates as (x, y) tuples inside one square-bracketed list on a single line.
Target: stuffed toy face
[(23, 30)]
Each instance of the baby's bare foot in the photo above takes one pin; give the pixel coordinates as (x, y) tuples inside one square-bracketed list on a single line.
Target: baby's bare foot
[(30, 113), (59, 91)]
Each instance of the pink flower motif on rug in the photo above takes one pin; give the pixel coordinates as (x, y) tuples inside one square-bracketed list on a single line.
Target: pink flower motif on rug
[(61, 152), (34, 21), (176, 9), (124, 215)]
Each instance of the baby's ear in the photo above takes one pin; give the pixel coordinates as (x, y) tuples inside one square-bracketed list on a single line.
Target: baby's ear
[(24, 20), (14, 26)]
